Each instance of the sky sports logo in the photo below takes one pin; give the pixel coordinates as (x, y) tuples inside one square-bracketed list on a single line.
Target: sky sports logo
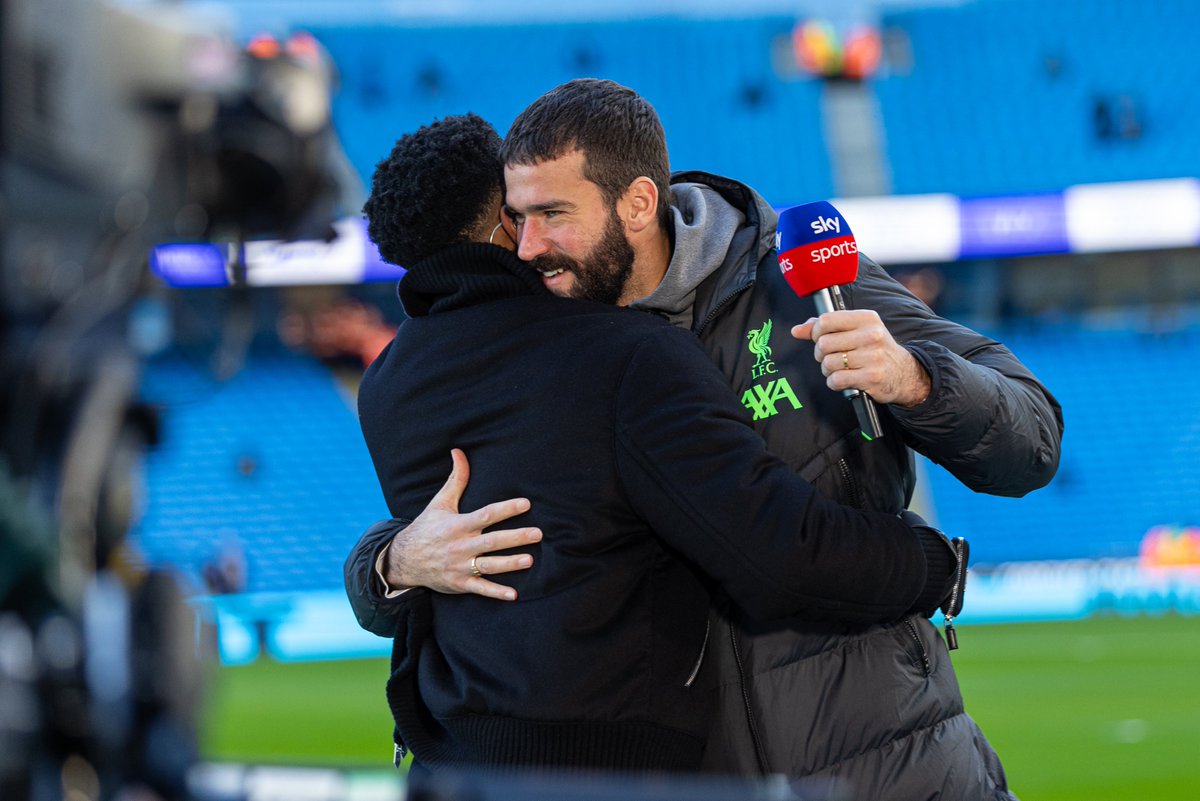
[(834, 249), (815, 248), (820, 252), (823, 225)]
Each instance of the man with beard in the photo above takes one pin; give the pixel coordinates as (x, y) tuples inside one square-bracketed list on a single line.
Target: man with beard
[(648, 483), (874, 707), (604, 271)]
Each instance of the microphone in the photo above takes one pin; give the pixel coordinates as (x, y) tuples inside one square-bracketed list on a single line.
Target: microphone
[(817, 253)]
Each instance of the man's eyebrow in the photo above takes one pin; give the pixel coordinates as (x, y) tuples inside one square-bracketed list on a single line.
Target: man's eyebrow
[(545, 205)]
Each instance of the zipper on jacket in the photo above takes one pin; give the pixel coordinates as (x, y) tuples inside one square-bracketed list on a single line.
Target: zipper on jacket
[(916, 638), (715, 310), (750, 724), (850, 494), (699, 659), (952, 609)]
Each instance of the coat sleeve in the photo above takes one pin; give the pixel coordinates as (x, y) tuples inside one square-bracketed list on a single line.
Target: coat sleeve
[(374, 612), (987, 420), (695, 470)]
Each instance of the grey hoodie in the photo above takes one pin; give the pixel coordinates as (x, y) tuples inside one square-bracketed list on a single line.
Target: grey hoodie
[(709, 232)]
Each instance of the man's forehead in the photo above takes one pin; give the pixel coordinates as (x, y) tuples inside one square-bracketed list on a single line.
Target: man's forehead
[(569, 153), (558, 178)]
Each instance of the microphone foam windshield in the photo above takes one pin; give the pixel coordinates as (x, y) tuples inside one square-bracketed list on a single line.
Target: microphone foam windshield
[(816, 249)]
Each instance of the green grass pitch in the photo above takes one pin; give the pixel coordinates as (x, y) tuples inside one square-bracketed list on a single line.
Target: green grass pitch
[(1106, 708)]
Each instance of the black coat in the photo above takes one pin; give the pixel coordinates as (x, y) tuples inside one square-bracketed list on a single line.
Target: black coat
[(650, 486), (874, 711)]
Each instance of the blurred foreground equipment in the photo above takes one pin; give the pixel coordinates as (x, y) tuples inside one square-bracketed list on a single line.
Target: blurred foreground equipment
[(122, 125)]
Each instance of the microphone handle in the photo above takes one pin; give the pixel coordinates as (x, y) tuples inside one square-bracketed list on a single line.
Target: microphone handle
[(827, 300)]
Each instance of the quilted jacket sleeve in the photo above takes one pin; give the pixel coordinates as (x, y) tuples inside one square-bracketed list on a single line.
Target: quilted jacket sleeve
[(988, 420), (374, 612)]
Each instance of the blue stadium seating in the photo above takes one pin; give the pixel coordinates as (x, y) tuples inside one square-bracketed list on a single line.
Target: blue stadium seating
[(274, 460), (1001, 96), (712, 82), (271, 462), (1131, 450)]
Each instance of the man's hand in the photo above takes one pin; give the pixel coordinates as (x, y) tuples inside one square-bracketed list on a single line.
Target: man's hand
[(856, 351), (436, 550)]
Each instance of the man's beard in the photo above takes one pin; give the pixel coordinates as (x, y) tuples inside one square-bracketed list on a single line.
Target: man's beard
[(602, 274)]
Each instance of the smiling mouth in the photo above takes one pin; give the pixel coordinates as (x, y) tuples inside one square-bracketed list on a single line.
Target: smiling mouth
[(550, 273)]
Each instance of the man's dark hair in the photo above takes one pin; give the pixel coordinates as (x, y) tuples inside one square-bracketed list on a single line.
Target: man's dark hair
[(436, 189), (618, 132)]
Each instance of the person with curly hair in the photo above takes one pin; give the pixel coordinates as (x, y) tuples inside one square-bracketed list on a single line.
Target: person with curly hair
[(651, 489), (453, 197)]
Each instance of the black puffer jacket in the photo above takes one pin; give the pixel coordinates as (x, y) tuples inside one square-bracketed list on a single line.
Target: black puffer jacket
[(873, 710)]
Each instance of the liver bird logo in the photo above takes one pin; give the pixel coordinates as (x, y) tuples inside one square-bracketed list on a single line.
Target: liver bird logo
[(757, 344)]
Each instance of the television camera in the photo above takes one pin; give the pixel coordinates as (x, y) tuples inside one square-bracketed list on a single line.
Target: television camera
[(122, 125)]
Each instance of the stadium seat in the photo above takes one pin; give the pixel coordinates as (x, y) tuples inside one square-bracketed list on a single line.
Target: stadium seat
[(270, 463)]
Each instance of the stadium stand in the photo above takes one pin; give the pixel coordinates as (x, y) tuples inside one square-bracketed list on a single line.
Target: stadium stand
[(712, 81), (991, 97), (1130, 452), (271, 462), (1010, 96), (274, 461)]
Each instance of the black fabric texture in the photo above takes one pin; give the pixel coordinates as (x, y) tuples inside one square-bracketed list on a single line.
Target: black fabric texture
[(651, 487), (871, 708)]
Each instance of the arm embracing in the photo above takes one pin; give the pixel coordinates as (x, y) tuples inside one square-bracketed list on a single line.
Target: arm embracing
[(374, 612), (699, 474), (441, 550), (987, 419)]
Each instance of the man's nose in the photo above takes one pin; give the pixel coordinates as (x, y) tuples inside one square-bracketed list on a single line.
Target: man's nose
[(531, 241)]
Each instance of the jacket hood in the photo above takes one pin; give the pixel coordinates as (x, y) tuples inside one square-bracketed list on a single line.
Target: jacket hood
[(718, 222)]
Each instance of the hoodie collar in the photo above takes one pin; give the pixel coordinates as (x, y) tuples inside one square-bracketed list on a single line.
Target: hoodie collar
[(717, 222)]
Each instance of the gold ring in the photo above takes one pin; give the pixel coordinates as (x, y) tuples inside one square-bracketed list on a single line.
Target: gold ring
[(474, 567), (845, 362)]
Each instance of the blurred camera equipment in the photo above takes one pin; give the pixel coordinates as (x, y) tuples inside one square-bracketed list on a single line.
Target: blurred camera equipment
[(122, 125)]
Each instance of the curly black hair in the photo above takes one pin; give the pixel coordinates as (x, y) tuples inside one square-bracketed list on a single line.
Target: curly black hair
[(435, 188)]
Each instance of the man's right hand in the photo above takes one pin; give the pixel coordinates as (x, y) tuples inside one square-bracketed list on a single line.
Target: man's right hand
[(437, 548), (856, 351)]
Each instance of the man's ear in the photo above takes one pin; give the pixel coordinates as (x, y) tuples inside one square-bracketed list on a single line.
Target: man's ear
[(639, 206)]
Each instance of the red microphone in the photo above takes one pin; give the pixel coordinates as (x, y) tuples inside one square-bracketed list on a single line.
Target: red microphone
[(817, 253)]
